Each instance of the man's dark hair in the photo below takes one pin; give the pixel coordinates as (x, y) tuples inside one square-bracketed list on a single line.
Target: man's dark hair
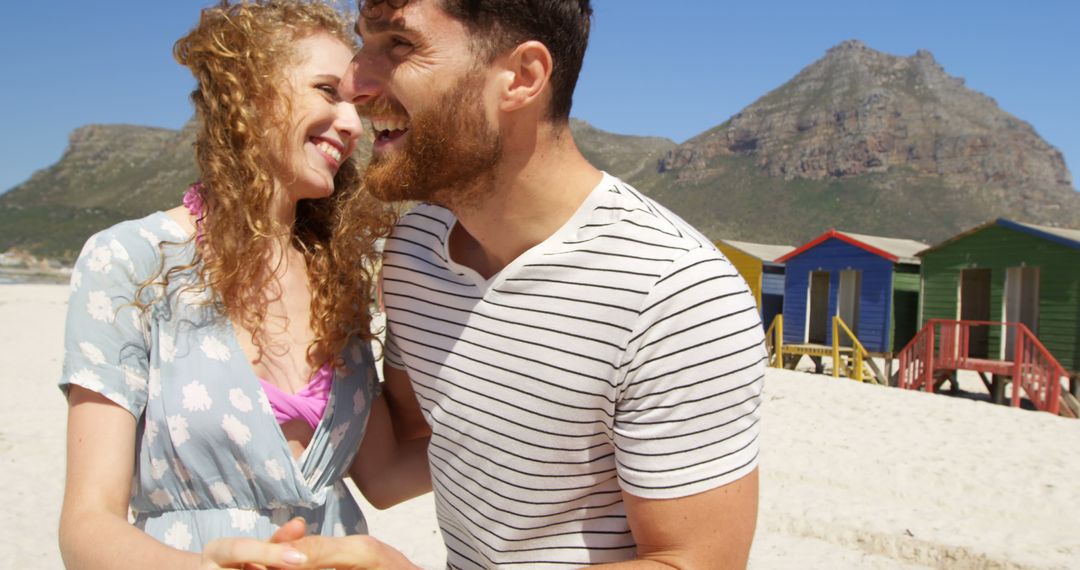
[(499, 25)]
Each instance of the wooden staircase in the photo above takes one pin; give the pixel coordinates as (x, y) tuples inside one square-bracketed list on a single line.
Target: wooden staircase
[(943, 347), (852, 361)]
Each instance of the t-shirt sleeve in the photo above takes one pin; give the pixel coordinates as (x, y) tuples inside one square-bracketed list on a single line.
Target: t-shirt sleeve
[(105, 350), (687, 411), (391, 350)]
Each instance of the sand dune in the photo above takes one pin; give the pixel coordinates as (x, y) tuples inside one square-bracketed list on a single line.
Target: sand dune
[(853, 476)]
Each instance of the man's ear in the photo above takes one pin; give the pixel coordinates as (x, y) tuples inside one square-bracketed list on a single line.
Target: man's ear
[(527, 71)]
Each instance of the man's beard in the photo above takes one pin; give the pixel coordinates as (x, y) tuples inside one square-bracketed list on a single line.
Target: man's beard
[(449, 157)]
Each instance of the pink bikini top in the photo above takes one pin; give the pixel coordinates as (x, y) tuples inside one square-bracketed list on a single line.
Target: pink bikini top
[(309, 404)]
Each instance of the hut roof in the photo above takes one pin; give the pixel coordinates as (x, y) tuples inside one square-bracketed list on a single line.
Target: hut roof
[(896, 250), (762, 251), (1063, 236)]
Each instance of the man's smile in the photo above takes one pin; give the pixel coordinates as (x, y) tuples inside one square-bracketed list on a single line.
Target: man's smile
[(389, 129)]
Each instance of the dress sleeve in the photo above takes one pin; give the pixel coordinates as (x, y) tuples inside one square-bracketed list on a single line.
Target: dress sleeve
[(362, 359), (105, 349), (686, 416)]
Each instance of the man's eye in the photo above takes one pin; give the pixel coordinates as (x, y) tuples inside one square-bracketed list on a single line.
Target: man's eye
[(400, 46)]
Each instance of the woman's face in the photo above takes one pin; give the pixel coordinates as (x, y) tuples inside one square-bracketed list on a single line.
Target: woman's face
[(321, 129)]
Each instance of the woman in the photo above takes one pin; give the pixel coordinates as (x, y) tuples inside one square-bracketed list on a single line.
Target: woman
[(218, 365)]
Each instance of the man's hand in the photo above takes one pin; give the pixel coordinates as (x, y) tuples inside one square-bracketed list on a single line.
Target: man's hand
[(355, 552)]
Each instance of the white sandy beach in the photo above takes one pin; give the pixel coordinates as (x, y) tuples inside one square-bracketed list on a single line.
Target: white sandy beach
[(853, 476)]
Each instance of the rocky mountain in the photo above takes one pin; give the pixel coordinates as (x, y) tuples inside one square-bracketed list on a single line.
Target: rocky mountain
[(111, 173), (108, 173), (870, 142), (860, 140)]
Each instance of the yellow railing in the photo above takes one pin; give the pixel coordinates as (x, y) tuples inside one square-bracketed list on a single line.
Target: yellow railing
[(774, 342), (774, 345), (859, 351)]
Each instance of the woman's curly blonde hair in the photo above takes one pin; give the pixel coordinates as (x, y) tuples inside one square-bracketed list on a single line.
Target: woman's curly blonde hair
[(238, 54)]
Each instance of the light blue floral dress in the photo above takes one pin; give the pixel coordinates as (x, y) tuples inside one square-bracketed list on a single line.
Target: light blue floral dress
[(211, 460)]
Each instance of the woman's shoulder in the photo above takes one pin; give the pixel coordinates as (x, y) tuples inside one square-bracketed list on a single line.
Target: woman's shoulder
[(153, 228), (133, 244), (138, 235)]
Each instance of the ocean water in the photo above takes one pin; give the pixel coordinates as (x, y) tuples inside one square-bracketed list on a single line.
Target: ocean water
[(19, 279)]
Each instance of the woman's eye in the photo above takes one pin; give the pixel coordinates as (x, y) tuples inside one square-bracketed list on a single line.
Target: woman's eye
[(328, 89)]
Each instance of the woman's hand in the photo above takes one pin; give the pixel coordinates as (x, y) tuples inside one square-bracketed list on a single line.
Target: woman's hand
[(249, 554), (252, 554)]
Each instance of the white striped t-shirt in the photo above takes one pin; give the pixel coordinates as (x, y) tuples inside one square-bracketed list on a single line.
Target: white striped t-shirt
[(624, 353)]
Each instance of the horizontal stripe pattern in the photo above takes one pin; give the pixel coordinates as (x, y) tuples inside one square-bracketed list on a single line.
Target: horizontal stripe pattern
[(622, 354)]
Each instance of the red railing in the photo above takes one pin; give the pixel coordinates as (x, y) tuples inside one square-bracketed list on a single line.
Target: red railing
[(946, 345), (917, 361), (1038, 371)]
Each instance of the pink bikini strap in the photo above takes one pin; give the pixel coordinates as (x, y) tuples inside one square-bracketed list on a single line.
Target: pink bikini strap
[(309, 404)]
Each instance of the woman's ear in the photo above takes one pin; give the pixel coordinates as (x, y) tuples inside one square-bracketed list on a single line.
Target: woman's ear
[(527, 72)]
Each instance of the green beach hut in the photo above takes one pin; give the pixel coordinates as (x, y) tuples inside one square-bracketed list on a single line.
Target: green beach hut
[(1006, 271)]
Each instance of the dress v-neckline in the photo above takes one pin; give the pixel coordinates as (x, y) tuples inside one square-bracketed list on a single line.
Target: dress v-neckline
[(298, 462), (253, 379)]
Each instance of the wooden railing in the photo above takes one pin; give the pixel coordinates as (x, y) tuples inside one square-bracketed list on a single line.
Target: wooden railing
[(860, 353), (917, 361), (774, 342), (1037, 372), (945, 345)]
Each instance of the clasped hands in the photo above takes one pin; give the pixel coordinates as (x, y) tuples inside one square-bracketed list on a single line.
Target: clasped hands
[(289, 549)]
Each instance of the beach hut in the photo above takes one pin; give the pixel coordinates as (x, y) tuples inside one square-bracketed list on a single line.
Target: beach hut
[(870, 282), (755, 262), (1006, 271)]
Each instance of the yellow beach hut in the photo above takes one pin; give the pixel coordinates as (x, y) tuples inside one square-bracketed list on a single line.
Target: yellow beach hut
[(764, 276)]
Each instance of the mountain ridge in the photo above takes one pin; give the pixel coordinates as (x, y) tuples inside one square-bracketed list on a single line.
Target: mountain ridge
[(859, 140), (870, 141)]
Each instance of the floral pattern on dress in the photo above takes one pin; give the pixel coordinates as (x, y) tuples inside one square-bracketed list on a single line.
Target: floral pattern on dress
[(211, 459)]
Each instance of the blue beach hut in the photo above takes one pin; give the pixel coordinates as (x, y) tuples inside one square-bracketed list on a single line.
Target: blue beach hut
[(870, 282)]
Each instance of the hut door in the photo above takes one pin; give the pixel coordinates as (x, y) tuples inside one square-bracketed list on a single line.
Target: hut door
[(1021, 302), (817, 317), (847, 302), (975, 306)]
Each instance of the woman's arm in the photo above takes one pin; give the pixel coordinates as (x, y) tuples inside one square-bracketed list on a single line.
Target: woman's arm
[(94, 530), (389, 469)]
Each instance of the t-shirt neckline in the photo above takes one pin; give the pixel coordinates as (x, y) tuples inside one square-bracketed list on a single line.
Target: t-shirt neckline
[(568, 227)]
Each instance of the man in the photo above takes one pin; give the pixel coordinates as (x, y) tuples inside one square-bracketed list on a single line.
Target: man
[(589, 365)]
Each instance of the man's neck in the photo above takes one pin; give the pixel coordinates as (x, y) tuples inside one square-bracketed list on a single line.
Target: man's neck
[(537, 187)]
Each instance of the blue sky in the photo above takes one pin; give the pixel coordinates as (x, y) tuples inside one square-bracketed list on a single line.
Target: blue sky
[(672, 68)]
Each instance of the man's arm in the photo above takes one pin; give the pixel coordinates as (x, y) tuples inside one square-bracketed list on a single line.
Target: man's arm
[(712, 529), (405, 413), (688, 418), (391, 465)]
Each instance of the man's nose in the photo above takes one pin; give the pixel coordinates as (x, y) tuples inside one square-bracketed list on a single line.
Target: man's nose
[(359, 85)]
